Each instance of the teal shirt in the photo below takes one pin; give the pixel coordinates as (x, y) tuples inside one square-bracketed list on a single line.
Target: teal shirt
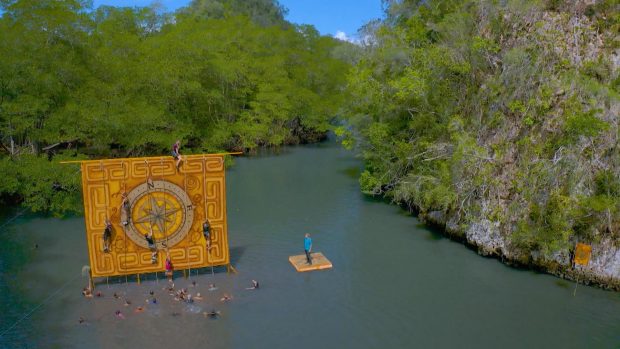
[(307, 243)]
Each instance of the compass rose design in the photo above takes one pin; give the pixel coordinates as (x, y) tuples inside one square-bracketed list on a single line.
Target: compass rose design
[(160, 207), (157, 214)]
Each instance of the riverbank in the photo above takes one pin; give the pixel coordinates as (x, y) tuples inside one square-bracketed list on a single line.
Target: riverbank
[(603, 269), (510, 143)]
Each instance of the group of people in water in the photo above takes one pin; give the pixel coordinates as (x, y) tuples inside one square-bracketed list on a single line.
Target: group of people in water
[(179, 295)]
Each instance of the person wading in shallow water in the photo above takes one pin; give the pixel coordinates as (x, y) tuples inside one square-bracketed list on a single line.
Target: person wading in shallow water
[(308, 248)]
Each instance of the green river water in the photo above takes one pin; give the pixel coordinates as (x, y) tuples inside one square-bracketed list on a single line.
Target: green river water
[(395, 283)]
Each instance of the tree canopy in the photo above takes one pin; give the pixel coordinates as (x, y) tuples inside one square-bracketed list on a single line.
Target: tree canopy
[(78, 82)]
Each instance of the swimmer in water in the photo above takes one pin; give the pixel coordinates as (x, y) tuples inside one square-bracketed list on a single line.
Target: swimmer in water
[(213, 314), (99, 294), (127, 302), (116, 296), (226, 298), (139, 310), (212, 287), (254, 285), (81, 320), (119, 314), (198, 297)]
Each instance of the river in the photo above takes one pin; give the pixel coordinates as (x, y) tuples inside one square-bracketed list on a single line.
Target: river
[(395, 283)]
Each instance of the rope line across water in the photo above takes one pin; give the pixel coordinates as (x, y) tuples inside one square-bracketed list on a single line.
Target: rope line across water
[(17, 215), (55, 293)]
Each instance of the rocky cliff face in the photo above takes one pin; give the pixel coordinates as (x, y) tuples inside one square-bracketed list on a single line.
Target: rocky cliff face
[(572, 36), (603, 269), (499, 121), (575, 39)]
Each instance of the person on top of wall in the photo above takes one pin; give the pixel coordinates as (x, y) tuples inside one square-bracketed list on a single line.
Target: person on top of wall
[(176, 153)]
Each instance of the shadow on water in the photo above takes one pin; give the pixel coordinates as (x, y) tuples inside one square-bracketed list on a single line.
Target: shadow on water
[(264, 152), (236, 253), (270, 152), (433, 233), (378, 199), (352, 172), (562, 284)]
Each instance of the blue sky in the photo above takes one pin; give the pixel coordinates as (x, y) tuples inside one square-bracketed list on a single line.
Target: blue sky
[(331, 16), (328, 16)]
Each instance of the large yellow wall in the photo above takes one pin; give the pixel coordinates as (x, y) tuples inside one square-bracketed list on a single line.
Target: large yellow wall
[(200, 185)]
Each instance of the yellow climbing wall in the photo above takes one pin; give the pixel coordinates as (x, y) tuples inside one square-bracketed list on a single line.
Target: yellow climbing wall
[(169, 202)]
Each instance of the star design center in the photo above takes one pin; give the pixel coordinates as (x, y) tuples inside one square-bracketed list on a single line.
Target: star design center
[(157, 214)]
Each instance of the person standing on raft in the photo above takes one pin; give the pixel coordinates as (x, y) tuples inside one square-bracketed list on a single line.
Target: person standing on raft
[(308, 247), (176, 154)]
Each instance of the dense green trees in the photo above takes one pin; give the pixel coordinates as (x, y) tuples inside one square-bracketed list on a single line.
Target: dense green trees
[(504, 112), (262, 12), (219, 75), (485, 111)]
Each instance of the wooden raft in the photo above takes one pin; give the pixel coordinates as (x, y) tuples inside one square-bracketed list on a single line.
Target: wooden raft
[(318, 262)]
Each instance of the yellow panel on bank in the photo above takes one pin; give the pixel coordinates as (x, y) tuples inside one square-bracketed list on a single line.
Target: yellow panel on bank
[(169, 203)]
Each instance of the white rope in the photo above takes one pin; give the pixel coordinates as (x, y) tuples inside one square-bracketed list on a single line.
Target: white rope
[(187, 247), (204, 190), (13, 218), (128, 218), (161, 162)]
